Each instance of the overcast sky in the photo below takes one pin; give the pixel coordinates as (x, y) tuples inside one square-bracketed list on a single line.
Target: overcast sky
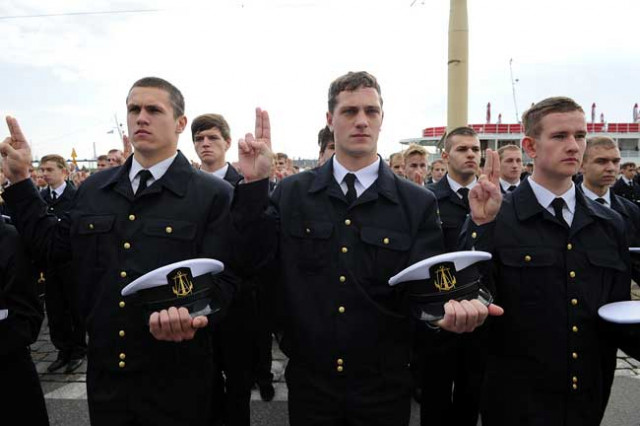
[(66, 77)]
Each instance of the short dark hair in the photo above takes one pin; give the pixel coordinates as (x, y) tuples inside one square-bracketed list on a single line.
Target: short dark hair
[(351, 81), (627, 165), (458, 131), (102, 157), (325, 136), (175, 96), (210, 121), (532, 117)]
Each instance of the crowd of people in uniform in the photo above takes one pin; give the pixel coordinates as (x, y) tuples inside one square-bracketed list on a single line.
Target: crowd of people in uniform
[(308, 257)]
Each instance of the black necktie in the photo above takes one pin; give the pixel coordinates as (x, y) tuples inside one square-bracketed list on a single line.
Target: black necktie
[(350, 180), (54, 195), (464, 192), (144, 175), (601, 200), (557, 205), (511, 188)]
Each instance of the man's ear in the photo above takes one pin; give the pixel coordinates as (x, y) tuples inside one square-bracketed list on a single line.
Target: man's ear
[(181, 124), (330, 120), (529, 146), (227, 144)]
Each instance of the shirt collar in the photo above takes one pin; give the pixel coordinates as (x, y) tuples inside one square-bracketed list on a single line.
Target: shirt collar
[(627, 181), (592, 195), (157, 170), (545, 197), (505, 185), (455, 185), (59, 190), (366, 175), (221, 172)]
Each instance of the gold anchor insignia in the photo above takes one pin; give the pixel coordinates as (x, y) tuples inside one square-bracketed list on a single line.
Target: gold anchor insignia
[(182, 286), (444, 280)]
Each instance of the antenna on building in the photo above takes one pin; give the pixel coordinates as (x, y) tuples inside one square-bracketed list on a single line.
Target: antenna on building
[(513, 88)]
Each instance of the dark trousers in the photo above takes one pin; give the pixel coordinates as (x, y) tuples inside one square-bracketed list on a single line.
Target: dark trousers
[(326, 399), (233, 341), (179, 395), (452, 368), (21, 398), (66, 326)]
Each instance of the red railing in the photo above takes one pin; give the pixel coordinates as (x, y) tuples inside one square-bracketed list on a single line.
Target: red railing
[(517, 128)]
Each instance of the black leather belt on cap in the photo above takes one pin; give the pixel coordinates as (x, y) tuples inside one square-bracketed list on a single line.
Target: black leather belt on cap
[(442, 295)]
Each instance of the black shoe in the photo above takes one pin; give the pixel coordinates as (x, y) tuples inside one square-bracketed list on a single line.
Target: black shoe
[(267, 392), (57, 364), (73, 365)]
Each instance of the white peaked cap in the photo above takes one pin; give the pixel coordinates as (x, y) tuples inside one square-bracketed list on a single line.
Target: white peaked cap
[(420, 270), (158, 276), (627, 312)]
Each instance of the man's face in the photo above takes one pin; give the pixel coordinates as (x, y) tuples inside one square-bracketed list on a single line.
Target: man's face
[(210, 146), (52, 174), (558, 150), (115, 159), (103, 164), (415, 168), (600, 168), (356, 121), (464, 156), (153, 131), (397, 165), (438, 171), (281, 164), (511, 165), (629, 172)]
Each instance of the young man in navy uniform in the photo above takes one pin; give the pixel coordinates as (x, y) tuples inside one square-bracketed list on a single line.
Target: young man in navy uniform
[(453, 365), (66, 326), (125, 221), (21, 317), (557, 257), (510, 167), (239, 333), (339, 232)]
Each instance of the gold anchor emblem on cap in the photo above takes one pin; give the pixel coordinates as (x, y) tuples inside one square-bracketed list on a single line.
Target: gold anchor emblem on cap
[(444, 280), (182, 285)]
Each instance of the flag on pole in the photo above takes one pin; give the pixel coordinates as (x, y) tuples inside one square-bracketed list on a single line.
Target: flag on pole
[(74, 156)]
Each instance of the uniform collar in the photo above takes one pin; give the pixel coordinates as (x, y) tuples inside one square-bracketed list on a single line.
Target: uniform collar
[(366, 175), (157, 170), (546, 197), (454, 185), (592, 195)]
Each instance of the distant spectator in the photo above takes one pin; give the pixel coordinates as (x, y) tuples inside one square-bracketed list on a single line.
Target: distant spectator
[(396, 162), (327, 145), (116, 158), (416, 159), (510, 167), (438, 170), (103, 162)]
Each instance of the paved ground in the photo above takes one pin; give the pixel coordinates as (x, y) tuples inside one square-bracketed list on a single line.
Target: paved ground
[(66, 393)]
